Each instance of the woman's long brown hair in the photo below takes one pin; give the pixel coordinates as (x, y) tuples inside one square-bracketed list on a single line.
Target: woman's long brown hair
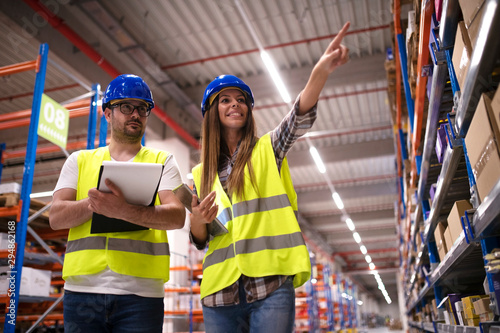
[(212, 144)]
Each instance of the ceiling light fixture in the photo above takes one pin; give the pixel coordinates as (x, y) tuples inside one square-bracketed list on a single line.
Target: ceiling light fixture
[(338, 201), (278, 82), (317, 159), (357, 237), (363, 249), (266, 58), (350, 225)]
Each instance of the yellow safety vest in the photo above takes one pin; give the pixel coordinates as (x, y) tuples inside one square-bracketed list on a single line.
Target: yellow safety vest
[(264, 236), (143, 253)]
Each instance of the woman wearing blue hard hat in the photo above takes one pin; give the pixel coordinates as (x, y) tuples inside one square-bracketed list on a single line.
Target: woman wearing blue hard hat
[(249, 273)]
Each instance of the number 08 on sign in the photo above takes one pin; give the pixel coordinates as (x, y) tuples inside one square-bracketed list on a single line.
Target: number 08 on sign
[(54, 122)]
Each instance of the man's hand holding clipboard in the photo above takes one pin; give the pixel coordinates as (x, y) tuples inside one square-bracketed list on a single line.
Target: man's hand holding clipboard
[(185, 195)]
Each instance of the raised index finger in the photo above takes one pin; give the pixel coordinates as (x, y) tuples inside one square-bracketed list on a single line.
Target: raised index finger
[(338, 39)]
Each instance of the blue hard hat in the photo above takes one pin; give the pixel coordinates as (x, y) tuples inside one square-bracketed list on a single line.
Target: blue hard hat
[(127, 86), (221, 82)]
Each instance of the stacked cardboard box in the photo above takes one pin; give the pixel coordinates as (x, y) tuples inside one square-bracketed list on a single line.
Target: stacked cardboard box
[(472, 11), (481, 142), (482, 308), (471, 317)]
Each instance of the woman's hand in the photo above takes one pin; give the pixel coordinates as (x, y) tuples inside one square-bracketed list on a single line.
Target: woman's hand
[(336, 54), (202, 214), (205, 211)]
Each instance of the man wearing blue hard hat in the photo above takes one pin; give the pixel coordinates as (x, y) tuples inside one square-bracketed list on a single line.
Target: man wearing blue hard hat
[(114, 280)]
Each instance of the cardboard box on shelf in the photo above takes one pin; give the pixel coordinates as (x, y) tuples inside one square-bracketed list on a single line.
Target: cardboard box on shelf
[(473, 321), (495, 113), (472, 11), (448, 239), (34, 282), (482, 305), (482, 149), (482, 308), (4, 241), (462, 53), (10, 188), (440, 240), (468, 302), (449, 303), (454, 222)]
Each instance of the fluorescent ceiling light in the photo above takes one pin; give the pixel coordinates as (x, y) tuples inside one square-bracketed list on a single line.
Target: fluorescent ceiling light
[(368, 259), (317, 159), (338, 201), (41, 194), (357, 237), (271, 68), (372, 266), (349, 223), (363, 249)]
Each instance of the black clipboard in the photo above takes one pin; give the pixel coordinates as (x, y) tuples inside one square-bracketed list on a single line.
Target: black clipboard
[(185, 195), (139, 183)]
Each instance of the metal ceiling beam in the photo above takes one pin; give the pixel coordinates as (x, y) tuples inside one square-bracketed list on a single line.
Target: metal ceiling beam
[(342, 241), (360, 226), (346, 193), (358, 217), (348, 253), (336, 154), (58, 24), (359, 261), (303, 41), (381, 270), (358, 71), (126, 42)]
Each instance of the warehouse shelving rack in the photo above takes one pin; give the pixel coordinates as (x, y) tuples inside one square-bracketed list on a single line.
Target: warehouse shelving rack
[(22, 210), (455, 179)]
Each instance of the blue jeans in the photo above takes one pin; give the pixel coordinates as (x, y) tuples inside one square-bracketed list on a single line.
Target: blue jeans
[(274, 314), (96, 313)]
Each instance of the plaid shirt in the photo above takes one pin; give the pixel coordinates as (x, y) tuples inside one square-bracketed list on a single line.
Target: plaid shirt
[(283, 137)]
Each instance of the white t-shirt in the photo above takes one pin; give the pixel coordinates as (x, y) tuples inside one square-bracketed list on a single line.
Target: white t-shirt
[(107, 281)]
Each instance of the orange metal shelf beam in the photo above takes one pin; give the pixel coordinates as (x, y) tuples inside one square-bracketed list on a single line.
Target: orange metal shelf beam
[(423, 60), (195, 289), (27, 113), (12, 211), (19, 67), (49, 317), (186, 268), (20, 122), (49, 149)]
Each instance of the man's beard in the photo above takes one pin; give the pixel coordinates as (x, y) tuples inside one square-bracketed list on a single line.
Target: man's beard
[(128, 135)]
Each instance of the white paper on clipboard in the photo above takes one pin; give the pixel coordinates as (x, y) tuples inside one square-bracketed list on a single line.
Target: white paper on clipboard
[(137, 181)]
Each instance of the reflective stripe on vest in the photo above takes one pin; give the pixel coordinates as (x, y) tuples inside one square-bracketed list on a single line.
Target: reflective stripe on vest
[(260, 205), (118, 244), (253, 245), (89, 243)]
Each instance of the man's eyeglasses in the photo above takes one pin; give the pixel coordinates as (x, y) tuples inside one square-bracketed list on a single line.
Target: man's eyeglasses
[(127, 108)]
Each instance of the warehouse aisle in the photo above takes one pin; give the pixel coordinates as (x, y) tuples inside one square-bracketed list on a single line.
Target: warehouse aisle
[(381, 329)]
